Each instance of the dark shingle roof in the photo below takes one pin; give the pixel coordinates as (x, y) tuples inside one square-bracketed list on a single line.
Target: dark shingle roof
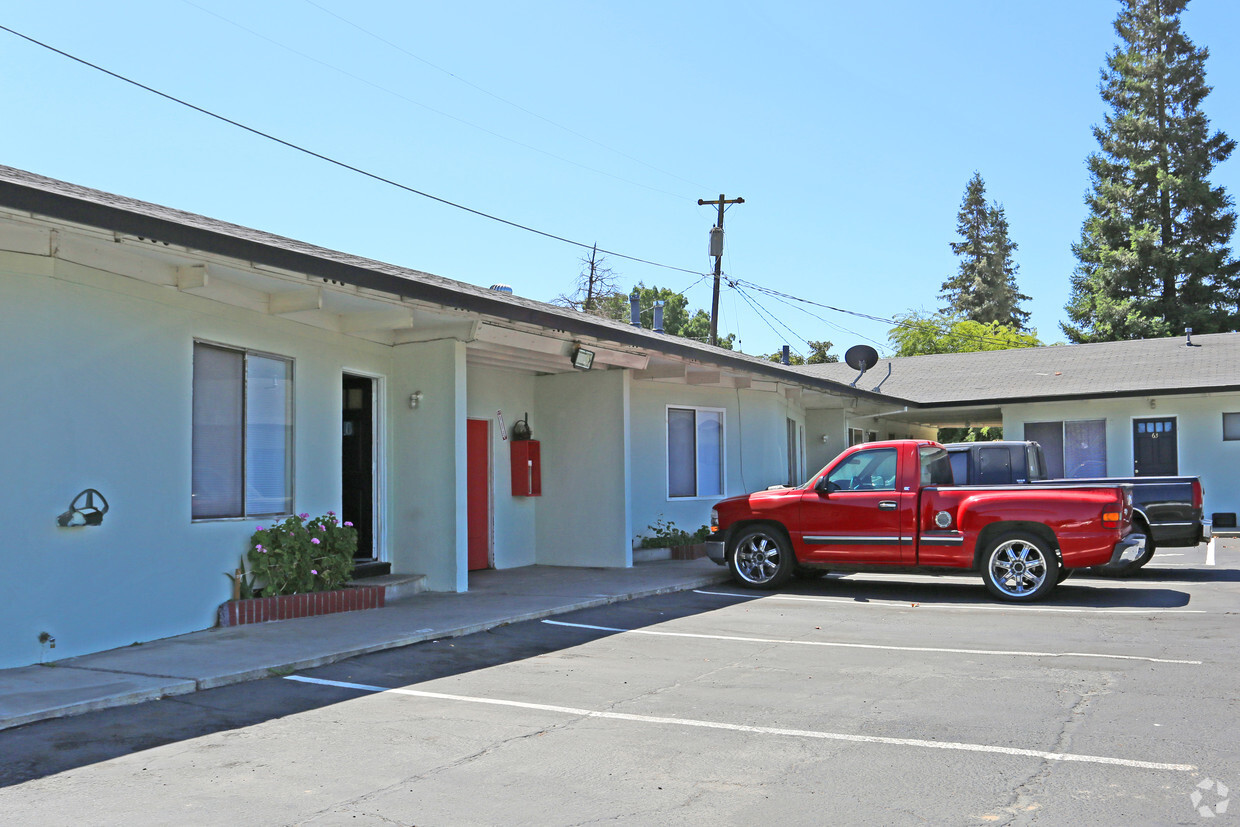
[(1130, 368)]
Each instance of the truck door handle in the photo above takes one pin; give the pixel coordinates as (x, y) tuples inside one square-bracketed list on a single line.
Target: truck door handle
[(887, 505)]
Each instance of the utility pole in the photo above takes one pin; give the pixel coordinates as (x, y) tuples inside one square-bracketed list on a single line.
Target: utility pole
[(716, 250)]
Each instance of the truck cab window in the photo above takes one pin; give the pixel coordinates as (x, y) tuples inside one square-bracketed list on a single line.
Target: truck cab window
[(865, 471)]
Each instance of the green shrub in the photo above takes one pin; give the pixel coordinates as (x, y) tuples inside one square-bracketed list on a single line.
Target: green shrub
[(665, 534), (300, 555)]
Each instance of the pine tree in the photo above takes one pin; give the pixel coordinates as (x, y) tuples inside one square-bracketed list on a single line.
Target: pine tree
[(1154, 255), (984, 289)]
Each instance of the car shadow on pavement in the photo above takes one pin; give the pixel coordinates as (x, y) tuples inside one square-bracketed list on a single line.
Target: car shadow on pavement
[(1082, 593), (1195, 574)]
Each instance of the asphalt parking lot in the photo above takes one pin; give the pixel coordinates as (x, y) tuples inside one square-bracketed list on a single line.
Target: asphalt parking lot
[(861, 700)]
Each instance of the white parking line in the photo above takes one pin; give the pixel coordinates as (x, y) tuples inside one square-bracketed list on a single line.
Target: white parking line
[(875, 645), (758, 730), (905, 604)]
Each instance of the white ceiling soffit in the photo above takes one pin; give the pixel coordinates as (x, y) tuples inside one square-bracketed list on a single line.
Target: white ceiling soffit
[(537, 352)]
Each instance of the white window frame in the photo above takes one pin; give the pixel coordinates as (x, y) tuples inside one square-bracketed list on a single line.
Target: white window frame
[(794, 432), (1225, 437), (723, 453), (290, 470), (378, 533)]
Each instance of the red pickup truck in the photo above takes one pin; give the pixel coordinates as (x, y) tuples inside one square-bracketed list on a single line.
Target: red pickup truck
[(891, 506)]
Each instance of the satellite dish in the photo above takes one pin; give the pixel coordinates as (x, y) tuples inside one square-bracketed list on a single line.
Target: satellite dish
[(861, 357)]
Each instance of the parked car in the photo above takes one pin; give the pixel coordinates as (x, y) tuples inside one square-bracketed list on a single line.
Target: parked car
[(1168, 510), (891, 506)]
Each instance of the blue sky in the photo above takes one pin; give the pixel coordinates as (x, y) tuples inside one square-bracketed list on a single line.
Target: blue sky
[(850, 129)]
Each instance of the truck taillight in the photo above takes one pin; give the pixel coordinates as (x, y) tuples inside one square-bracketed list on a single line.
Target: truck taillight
[(1199, 494), (1119, 511), (714, 521)]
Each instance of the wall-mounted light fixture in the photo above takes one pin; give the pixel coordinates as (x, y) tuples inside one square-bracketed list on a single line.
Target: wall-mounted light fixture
[(415, 399), (583, 359)]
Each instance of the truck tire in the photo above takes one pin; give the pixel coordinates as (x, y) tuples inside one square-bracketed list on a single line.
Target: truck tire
[(1020, 567), (761, 558)]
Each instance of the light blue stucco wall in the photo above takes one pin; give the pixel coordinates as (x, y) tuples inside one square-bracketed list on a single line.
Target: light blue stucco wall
[(1199, 423), (97, 372), (584, 513), (755, 455), (427, 495), (513, 520)]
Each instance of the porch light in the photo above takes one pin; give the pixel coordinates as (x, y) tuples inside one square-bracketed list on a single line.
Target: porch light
[(583, 359)]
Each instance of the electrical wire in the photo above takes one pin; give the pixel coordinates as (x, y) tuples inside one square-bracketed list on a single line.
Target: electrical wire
[(413, 102), (894, 322), (762, 314), (489, 93), (342, 164), (830, 323)]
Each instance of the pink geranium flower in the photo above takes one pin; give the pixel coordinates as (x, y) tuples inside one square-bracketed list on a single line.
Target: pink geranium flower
[(315, 541)]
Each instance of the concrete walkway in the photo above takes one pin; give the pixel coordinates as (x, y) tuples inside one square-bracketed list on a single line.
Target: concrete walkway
[(217, 657)]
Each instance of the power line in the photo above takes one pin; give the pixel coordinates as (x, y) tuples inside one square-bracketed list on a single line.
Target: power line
[(893, 322), (342, 164), (763, 314), (413, 102), (489, 93), (824, 320)]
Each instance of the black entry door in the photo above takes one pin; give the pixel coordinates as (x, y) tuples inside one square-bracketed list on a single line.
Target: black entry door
[(1154, 448), (357, 462)]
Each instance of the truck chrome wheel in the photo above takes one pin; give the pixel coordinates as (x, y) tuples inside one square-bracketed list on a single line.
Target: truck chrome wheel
[(1020, 566), (761, 559)]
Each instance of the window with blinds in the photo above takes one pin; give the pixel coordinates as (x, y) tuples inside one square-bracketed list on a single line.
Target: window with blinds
[(695, 444), (242, 434)]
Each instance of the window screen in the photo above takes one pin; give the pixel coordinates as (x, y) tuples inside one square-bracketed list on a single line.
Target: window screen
[(241, 434), (695, 447), (1050, 436), (1231, 426)]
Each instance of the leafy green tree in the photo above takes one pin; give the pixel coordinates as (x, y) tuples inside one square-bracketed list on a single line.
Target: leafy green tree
[(678, 319), (818, 355), (918, 334), (1154, 253), (984, 288)]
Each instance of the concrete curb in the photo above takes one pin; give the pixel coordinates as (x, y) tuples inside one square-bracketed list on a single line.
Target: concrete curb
[(103, 688), (440, 634)]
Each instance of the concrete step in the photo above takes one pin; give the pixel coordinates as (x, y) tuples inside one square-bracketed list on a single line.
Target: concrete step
[(395, 586)]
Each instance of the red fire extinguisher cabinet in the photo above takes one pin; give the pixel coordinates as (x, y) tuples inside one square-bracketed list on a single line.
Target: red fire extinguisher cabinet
[(526, 468)]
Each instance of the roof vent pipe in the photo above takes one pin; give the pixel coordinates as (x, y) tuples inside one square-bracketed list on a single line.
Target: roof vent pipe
[(502, 288), (635, 310), (658, 317), (1188, 336), (783, 356)]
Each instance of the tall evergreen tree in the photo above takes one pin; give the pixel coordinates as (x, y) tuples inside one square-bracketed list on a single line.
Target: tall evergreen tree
[(1154, 255), (984, 289)]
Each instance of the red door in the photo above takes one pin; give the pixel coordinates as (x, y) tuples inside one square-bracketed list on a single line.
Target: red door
[(478, 491)]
